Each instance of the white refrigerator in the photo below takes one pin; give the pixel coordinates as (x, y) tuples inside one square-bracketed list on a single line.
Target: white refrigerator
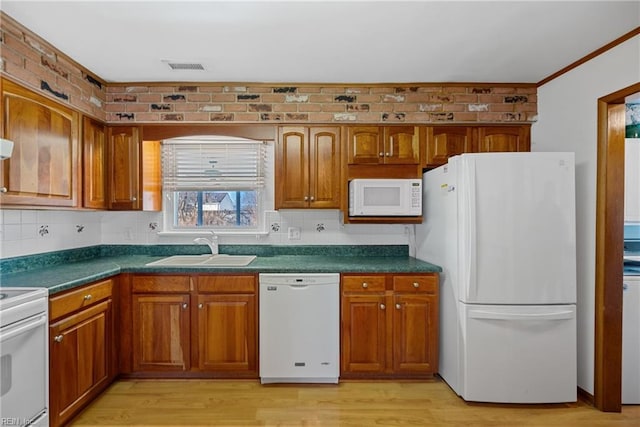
[(502, 227)]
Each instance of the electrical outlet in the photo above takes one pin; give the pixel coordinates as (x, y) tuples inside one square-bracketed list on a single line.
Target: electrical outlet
[(294, 233)]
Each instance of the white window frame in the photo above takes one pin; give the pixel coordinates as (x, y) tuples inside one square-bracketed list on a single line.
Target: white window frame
[(265, 194)]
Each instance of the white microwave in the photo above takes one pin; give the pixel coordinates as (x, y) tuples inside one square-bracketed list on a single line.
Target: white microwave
[(385, 197)]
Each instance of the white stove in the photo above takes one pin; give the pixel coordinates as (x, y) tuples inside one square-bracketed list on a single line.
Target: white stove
[(24, 357)]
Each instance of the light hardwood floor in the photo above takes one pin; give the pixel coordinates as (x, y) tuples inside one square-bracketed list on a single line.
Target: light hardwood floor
[(247, 403)]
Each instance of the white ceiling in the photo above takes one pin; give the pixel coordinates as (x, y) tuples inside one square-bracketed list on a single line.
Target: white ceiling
[(327, 41)]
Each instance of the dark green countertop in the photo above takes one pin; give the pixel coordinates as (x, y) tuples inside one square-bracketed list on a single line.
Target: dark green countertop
[(63, 276)]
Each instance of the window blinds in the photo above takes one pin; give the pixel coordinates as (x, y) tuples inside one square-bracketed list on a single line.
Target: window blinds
[(213, 165)]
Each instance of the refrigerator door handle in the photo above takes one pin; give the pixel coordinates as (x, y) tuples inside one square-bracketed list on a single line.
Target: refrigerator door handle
[(469, 230), (498, 315)]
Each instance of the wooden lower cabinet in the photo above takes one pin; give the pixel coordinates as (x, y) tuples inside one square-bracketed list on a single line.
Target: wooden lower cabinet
[(194, 325), (81, 355), (389, 326), (161, 329)]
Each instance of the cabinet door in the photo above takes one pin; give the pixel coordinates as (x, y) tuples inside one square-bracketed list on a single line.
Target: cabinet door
[(43, 168), (447, 141), (363, 334), (80, 349), (292, 169), (94, 166), (324, 167), (364, 145), (401, 145), (161, 332), (124, 168), (415, 328), (504, 138), (226, 333)]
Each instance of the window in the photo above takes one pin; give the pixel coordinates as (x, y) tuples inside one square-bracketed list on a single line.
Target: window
[(213, 183)]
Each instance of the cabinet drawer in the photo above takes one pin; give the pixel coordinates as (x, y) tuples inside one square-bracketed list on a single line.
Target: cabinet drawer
[(61, 305), (363, 283), (155, 284), (425, 283), (228, 284)]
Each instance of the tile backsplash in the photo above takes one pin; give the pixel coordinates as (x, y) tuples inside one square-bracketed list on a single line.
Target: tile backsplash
[(28, 232)]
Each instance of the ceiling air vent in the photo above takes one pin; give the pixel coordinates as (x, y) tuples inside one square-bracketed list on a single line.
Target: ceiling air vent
[(185, 66)]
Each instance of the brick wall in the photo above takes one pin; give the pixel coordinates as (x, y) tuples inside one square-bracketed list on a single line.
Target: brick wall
[(36, 64), (33, 62), (416, 103)]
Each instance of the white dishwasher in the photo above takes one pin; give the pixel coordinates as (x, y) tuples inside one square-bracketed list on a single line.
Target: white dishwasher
[(299, 328)]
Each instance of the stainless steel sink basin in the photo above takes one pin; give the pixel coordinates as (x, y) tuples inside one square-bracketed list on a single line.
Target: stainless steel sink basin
[(220, 260)]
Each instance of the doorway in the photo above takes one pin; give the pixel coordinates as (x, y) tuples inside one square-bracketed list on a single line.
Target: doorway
[(609, 249)]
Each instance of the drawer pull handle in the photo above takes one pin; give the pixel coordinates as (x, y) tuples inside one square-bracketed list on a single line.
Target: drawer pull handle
[(382, 307), (365, 285), (87, 297), (416, 285), (58, 338)]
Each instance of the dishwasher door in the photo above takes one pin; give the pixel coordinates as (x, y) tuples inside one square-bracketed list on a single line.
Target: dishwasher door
[(299, 328)]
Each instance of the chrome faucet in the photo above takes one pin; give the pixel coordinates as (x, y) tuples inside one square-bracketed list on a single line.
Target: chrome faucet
[(212, 243)]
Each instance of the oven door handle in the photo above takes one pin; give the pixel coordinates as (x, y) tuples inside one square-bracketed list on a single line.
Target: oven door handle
[(24, 327)]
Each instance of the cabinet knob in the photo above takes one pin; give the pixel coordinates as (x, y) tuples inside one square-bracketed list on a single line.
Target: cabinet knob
[(365, 285), (387, 154), (87, 297), (58, 338), (185, 305), (200, 306), (398, 306), (306, 198), (312, 198), (382, 306), (416, 285), (381, 154)]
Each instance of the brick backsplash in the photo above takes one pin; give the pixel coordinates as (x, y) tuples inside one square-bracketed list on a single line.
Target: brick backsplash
[(38, 65)]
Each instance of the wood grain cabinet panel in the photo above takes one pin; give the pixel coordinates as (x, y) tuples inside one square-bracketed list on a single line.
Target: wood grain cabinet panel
[(504, 138), (389, 327), (161, 332), (226, 333), (443, 142), (43, 168), (81, 350), (124, 171), (383, 145), (215, 336), (94, 164), (308, 167), (364, 341)]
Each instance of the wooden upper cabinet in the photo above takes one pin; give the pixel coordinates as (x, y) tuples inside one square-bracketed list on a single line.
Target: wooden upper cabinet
[(124, 170), (42, 170), (504, 138), (443, 142), (94, 164), (383, 145), (308, 167), (401, 145)]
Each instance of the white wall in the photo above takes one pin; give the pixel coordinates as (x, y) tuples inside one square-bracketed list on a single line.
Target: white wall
[(567, 121), (22, 231)]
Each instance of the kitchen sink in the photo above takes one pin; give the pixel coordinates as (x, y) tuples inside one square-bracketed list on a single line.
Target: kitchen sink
[(220, 260)]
